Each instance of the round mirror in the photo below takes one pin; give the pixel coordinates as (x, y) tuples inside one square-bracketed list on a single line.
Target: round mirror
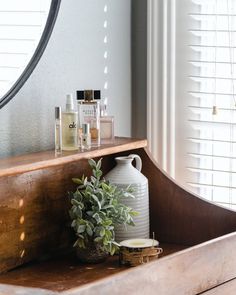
[(25, 28)]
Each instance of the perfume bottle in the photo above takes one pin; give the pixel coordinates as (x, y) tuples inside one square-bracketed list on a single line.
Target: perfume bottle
[(107, 128), (69, 126), (106, 123), (85, 137), (89, 112), (58, 131)]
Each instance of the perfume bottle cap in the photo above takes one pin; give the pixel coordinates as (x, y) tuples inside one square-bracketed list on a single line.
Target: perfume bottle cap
[(97, 94), (86, 128), (58, 113), (80, 94), (69, 103), (88, 95)]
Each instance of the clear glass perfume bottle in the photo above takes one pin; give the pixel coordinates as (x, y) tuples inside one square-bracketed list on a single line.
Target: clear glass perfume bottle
[(107, 128), (106, 124), (69, 126), (58, 131), (85, 137), (89, 112)]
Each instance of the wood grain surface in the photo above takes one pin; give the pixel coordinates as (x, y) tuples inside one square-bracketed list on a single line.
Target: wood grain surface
[(41, 160), (188, 272), (228, 288), (34, 225), (178, 216), (34, 220), (65, 272)]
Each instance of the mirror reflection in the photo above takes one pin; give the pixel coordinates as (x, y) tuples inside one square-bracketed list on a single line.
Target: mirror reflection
[(22, 24)]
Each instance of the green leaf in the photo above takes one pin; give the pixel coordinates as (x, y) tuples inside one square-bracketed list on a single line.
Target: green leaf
[(128, 195), (79, 243), (77, 180), (105, 186), (89, 213), (92, 163), (107, 222), (98, 239), (113, 250), (115, 243), (89, 230), (102, 232), (98, 202), (74, 223), (78, 212), (93, 179), (85, 181), (81, 228), (97, 218), (134, 213), (99, 164), (75, 202), (107, 207), (97, 174)]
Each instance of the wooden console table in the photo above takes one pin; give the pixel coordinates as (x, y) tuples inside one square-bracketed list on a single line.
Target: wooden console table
[(35, 238)]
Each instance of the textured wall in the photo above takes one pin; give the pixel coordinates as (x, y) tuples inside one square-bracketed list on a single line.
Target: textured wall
[(73, 59)]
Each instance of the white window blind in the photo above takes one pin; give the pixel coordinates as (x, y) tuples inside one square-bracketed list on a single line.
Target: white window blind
[(212, 100), (21, 26)]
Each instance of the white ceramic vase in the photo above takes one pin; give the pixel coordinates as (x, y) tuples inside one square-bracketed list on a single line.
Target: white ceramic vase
[(125, 174)]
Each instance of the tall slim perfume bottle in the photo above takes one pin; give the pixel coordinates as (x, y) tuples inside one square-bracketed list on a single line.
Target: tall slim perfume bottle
[(58, 131), (89, 112), (69, 126)]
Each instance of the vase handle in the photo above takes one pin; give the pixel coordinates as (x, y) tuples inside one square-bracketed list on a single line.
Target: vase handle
[(138, 161)]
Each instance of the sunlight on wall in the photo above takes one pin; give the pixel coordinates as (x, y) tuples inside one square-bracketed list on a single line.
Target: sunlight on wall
[(105, 41)]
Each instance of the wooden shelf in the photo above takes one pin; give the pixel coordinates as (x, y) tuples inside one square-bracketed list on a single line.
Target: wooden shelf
[(67, 273), (34, 223), (35, 161)]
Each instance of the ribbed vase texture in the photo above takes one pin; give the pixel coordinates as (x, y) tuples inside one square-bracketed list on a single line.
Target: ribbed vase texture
[(125, 174)]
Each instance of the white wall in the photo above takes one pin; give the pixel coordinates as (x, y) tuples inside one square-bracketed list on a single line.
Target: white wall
[(73, 59)]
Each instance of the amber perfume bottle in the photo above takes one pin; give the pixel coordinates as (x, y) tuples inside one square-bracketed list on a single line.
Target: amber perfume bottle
[(89, 112)]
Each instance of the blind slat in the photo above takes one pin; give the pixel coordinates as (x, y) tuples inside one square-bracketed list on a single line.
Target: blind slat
[(210, 140), (210, 77), (199, 184), (211, 156), (212, 171)]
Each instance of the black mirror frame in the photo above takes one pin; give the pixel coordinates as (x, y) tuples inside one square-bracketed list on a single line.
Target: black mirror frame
[(52, 16)]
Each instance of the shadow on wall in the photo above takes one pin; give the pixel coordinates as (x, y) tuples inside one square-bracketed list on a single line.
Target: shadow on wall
[(139, 68)]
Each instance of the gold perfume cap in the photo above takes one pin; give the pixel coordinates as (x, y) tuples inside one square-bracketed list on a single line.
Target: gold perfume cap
[(86, 128), (88, 95)]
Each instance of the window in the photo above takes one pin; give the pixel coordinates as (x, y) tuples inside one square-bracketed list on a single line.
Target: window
[(197, 72), (212, 111)]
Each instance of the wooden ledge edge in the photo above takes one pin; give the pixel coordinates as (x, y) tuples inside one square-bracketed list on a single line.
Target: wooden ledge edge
[(48, 159), (174, 269)]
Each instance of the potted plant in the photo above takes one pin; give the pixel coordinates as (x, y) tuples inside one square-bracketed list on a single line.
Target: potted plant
[(96, 209)]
